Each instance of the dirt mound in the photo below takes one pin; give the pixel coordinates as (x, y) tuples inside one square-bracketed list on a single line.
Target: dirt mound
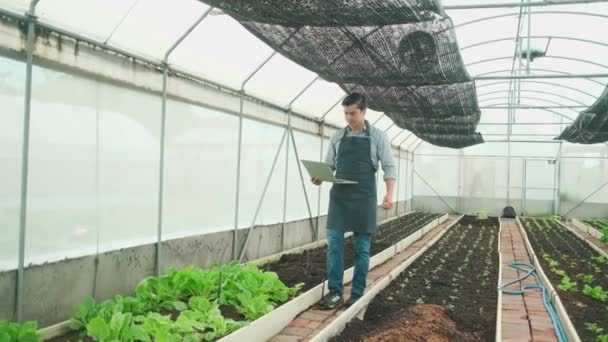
[(426, 323)]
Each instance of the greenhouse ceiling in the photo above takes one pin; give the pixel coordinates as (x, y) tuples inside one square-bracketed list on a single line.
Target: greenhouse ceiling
[(536, 64)]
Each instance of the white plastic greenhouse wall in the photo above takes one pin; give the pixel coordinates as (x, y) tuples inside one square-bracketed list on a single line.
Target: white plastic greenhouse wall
[(95, 126)]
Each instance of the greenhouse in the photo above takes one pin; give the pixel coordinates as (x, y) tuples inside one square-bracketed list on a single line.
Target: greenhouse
[(289, 170)]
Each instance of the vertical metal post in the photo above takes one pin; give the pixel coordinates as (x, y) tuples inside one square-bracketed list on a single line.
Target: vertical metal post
[(163, 120), (25, 151), (407, 159), (257, 211), (297, 155), (412, 180), (398, 178), (239, 157), (529, 38), (319, 187), (286, 182), (557, 181), (458, 203), (524, 186)]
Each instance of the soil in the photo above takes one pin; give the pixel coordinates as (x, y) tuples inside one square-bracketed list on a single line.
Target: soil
[(309, 266), (231, 313), (420, 323), (459, 273), (575, 257)]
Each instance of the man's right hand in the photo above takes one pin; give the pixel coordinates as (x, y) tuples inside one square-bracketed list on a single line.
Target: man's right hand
[(316, 181)]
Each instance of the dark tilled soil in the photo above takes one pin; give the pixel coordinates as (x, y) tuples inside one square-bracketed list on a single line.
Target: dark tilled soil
[(310, 267), (459, 273), (575, 257)]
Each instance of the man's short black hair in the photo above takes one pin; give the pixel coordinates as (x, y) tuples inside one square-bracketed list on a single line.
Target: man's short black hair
[(355, 99)]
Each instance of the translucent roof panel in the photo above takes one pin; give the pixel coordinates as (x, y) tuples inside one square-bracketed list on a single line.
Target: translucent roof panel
[(152, 26), (227, 58), (280, 81)]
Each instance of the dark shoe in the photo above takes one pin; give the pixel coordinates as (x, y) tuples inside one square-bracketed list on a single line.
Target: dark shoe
[(331, 300), (352, 300)]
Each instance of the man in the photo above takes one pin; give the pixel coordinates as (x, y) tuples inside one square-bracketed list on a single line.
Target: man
[(354, 153)]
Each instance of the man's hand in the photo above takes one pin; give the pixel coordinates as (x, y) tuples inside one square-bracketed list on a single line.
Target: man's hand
[(316, 181), (387, 203)]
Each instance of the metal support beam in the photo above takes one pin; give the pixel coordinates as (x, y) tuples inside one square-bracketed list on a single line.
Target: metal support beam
[(435, 191), (161, 164), (285, 185), (237, 204), (533, 107), (521, 4), (257, 211), (525, 77), (586, 198), (25, 152), (314, 229)]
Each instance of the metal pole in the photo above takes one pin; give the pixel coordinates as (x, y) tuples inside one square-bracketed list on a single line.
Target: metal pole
[(31, 25), (436, 193), (556, 181), (312, 225), (412, 180), (319, 187), (585, 199), (521, 4), (524, 186), (239, 156), (398, 178), (162, 140), (529, 39), (257, 211), (286, 182), (526, 77)]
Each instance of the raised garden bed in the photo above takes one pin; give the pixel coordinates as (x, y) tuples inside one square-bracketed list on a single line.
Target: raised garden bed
[(229, 316), (597, 228), (578, 273), (308, 267), (449, 293)]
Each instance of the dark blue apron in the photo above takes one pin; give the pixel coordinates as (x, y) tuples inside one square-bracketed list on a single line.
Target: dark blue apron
[(353, 207)]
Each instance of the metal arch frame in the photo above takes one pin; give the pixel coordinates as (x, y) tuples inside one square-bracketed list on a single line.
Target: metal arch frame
[(546, 56), (535, 13), (560, 73), (541, 82), (521, 4), (32, 21), (485, 42), (161, 166), (536, 92)]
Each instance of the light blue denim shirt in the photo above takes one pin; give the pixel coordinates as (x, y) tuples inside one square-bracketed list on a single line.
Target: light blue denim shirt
[(380, 146)]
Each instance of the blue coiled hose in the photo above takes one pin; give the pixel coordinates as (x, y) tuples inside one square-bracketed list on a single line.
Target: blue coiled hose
[(531, 271)]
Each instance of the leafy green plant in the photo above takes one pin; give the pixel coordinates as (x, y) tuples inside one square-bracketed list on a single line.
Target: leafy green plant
[(15, 332), (193, 295), (567, 284), (560, 273), (595, 292), (600, 259), (588, 278), (593, 327)]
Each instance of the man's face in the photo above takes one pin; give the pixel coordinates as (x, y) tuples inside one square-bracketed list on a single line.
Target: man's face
[(354, 115)]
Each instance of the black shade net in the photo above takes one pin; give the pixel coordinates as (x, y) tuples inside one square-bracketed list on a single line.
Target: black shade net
[(402, 54), (591, 126)]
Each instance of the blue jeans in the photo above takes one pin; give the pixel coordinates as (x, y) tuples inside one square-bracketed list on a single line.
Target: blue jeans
[(335, 261)]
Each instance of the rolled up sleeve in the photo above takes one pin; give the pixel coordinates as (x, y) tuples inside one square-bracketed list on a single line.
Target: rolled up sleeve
[(385, 155)]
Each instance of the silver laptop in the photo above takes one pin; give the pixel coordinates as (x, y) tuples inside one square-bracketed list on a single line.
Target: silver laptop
[(323, 172)]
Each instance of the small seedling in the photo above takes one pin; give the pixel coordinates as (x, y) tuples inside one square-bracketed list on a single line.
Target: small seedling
[(588, 278), (596, 293), (567, 284)]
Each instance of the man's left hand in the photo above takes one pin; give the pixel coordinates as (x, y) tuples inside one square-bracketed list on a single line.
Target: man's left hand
[(387, 203)]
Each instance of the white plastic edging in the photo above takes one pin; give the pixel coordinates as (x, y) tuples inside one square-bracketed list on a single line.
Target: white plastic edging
[(272, 323), (336, 326), (586, 228), (62, 328), (591, 244), (498, 286), (559, 306)]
